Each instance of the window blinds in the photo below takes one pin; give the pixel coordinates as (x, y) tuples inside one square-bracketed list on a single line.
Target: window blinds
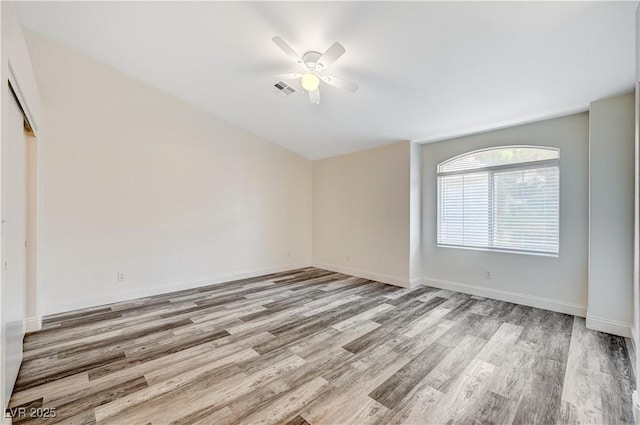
[(501, 209)]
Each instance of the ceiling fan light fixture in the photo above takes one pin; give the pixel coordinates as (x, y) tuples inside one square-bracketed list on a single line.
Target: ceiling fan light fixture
[(309, 81), (313, 65)]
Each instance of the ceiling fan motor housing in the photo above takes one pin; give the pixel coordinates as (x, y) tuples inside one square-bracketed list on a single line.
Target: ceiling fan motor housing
[(311, 60)]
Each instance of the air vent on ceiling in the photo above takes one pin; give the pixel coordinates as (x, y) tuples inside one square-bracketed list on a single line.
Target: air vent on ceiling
[(282, 89)]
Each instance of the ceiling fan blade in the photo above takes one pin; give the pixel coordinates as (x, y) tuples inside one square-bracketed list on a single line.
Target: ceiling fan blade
[(291, 76), (284, 46), (314, 97), (331, 55), (340, 83)]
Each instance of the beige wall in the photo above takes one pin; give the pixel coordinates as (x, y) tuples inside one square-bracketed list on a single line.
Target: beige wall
[(136, 181), (611, 209), (361, 212), (553, 283)]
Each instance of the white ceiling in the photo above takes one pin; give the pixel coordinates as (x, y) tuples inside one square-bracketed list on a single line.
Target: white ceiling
[(426, 70)]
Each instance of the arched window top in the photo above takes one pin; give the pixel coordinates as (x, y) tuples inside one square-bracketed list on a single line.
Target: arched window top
[(497, 157)]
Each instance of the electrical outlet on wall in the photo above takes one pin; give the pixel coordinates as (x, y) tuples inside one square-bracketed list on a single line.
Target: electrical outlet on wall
[(348, 258), (487, 274), (120, 277)]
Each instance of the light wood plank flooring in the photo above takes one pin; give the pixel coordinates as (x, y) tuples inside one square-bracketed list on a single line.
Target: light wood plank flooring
[(311, 346)]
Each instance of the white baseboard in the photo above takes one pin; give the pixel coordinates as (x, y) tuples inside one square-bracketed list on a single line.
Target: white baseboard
[(32, 324), (87, 302), (635, 402), (512, 297), (609, 326), (391, 280)]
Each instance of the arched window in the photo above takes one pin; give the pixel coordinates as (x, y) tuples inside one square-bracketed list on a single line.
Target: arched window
[(505, 199)]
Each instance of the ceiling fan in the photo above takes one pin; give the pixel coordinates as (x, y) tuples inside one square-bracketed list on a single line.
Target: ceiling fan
[(313, 66)]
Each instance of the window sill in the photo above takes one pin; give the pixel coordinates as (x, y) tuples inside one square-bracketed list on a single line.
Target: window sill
[(504, 251)]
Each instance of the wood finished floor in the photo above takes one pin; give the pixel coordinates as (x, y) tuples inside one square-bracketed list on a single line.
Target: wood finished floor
[(316, 347)]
